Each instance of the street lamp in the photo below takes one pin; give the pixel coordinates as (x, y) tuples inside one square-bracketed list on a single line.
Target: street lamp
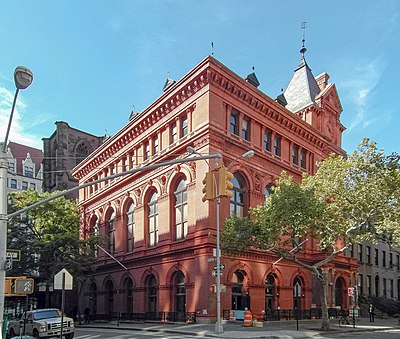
[(218, 325), (23, 77)]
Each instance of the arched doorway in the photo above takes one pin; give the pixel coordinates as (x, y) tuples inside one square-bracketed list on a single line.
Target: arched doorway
[(128, 287), (339, 292), (152, 291), (270, 292), (240, 300), (180, 296), (297, 293), (92, 299), (109, 298)]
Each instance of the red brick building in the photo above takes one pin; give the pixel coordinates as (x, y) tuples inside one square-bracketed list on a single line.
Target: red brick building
[(155, 223)]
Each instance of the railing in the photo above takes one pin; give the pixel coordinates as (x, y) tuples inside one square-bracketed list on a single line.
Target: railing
[(186, 317), (290, 314)]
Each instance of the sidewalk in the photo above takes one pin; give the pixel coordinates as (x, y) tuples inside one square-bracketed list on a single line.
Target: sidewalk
[(273, 329)]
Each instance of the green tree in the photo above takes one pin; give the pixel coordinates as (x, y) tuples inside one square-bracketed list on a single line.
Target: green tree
[(48, 237), (349, 200)]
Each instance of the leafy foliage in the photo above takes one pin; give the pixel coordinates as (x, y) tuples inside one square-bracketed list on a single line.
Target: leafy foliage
[(48, 237)]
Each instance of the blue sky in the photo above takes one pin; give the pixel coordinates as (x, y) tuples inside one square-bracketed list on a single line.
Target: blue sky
[(93, 60)]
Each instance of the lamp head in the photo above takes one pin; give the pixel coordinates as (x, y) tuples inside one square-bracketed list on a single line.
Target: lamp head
[(191, 150), (23, 77), (248, 154)]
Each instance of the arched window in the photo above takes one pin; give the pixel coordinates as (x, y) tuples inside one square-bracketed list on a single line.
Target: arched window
[(153, 219), (130, 227), (110, 229), (152, 294), (237, 200), (109, 296), (180, 292), (267, 192), (128, 286), (81, 152), (181, 208)]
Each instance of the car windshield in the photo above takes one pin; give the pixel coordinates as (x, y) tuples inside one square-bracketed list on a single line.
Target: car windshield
[(46, 314)]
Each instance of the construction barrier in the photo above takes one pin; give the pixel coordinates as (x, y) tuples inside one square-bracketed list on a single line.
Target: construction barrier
[(247, 319)]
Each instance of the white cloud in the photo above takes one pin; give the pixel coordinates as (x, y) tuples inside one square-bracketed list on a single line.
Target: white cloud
[(18, 132), (363, 79)]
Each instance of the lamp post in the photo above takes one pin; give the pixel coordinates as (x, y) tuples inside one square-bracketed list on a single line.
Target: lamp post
[(218, 325), (23, 77)]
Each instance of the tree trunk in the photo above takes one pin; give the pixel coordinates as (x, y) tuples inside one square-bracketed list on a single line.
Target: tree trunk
[(325, 326)]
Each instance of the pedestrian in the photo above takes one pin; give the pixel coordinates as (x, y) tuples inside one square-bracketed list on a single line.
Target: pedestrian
[(371, 311), (86, 312)]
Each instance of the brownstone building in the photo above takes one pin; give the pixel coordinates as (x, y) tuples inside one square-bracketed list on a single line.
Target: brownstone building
[(63, 150), (154, 221)]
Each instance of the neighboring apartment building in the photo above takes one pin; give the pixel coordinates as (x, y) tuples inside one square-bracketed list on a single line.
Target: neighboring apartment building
[(25, 168), (379, 270), (154, 221), (63, 150)]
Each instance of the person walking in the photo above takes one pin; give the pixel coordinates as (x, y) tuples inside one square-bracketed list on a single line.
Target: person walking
[(371, 311)]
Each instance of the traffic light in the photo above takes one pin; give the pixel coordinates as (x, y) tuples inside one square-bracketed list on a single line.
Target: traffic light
[(208, 188), (224, 183)]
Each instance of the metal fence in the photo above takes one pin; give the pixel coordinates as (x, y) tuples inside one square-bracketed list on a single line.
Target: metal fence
[(290, 314), (185, 317)]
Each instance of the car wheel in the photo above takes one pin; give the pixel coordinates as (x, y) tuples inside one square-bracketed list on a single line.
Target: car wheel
[(35, 334), (70, 336)]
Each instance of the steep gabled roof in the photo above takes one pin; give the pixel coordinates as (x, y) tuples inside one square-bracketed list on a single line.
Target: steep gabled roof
[(20, 153), (302, 88)]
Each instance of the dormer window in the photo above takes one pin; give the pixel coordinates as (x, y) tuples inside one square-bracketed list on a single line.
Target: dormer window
[(28, 171)]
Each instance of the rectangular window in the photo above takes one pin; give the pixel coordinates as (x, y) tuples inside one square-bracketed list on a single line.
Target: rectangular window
[(376, 257), (234, 122), (391, 288), (174, 133), (351, 251), (146, 151), (391, 260), (383, 258), (24, 186), (360, 252), (277, 145), (155, 146), (384, 287), (184, 127), (11, 166), (369, 285), (267, 140), (303, 162), (368, 250), (28, 171), (13, 183), (32, 185), (246, 129), (295, 155), (398, 263), (360, 284)]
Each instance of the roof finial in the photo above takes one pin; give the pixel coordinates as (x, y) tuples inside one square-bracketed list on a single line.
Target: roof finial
[(212, 48), (303, 49)]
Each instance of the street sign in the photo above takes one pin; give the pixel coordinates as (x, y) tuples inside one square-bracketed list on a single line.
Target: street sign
[(214, 273), (23, 286), (221, 267), (14, 255), (58, 280), (211, 259)]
